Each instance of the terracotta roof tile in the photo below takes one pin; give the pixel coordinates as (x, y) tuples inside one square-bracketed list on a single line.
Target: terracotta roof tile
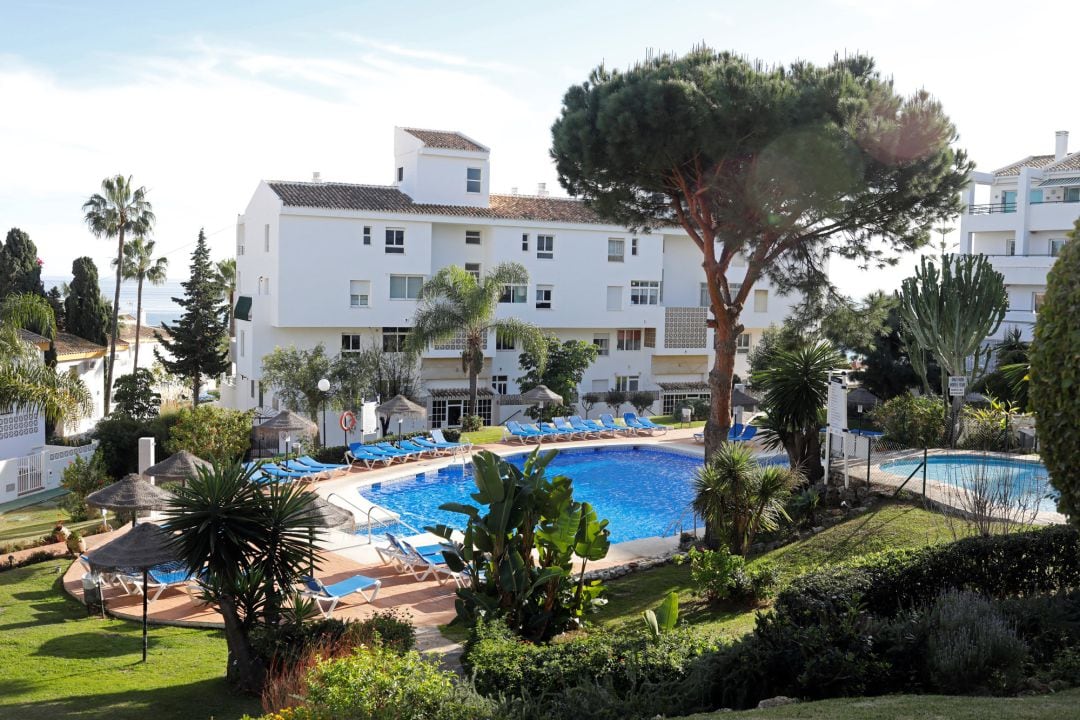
[(445, 140), (1067, 163), (1033, 161), (383, 198), (72, 346), (146, 333)]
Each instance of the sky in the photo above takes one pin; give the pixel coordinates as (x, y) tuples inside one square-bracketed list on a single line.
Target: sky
[(198, 101)]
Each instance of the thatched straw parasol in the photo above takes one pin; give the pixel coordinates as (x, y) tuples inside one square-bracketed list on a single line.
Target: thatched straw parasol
[(180, 466), (333, 517), (143, 547), (541, 394), (741, 399), (133, 493), (401, 405)]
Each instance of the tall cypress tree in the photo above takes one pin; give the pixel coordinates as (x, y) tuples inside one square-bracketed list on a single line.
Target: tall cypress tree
[(196, 344), (20, 268), (86, 312)]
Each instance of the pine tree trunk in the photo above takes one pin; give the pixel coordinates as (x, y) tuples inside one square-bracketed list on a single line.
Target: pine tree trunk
[(138, 321), (195, 391), (719, 421), (115, 317)]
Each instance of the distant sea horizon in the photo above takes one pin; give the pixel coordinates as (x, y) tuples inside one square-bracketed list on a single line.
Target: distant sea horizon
[(158, 306)]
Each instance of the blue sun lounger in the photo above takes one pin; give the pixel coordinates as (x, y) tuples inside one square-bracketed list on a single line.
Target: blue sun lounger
[(360, 453), (327, 597), (610, 424)]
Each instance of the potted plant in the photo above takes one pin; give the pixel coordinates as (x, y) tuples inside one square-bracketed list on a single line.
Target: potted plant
[(76, 543)]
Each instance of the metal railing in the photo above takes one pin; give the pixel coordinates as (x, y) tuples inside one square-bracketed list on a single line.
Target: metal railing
[(391, 519), (1010, 207)]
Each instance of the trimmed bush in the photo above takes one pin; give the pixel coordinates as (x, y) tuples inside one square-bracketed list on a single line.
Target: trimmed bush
[(914, 422), (721, 576), (471, 423), (970, 645), (1055, 375), (118, 438)]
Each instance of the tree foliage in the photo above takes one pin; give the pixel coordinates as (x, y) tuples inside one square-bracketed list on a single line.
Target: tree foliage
[(887, 370), (140, 265), (86, 312), (560, 367), (294, 373), (1055, 376), (782, 166), (213, 433), (1011, 353), (20, 266), (81, 478), (135, 397), (195, 343)]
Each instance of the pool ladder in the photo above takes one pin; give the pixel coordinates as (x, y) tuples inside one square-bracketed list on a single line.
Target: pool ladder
[(390, 519)]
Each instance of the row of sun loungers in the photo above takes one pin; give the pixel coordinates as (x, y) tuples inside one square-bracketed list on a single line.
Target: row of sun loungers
[(576, 428), (413, 449), (737, 433), (158, 579)]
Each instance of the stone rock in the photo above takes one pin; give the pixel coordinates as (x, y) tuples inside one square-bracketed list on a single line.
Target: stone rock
[(777, 701), (818, 529)]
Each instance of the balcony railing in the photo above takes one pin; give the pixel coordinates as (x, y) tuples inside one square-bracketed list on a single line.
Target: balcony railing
[(1010, 207)]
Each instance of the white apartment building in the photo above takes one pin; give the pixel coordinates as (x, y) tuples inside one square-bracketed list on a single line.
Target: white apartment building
[(1021, 225), (342, 264)]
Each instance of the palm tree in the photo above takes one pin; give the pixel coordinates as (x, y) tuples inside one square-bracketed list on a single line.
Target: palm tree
[(796, 385), (252, 546), (25, 381), (455, 304), (737, 497), (140, 265), (225, 282), (117, 210)]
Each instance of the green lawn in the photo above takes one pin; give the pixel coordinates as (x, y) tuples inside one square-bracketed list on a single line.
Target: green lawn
[(59, 663), (920, 707), (34, 521), (890, 525), (485, 435)]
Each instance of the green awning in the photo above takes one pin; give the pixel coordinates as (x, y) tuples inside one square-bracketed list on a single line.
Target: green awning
[(1060, 181), (243, 308)]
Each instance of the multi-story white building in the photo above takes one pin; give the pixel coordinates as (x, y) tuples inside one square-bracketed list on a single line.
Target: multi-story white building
[(342, 264), (1021, 226)]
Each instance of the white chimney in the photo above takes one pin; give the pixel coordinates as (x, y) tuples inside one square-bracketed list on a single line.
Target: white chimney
[(541, 189), (513, 190), (316, 177), (1061, 144)]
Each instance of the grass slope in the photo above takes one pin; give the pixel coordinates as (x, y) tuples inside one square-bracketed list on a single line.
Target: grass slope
[(889, 525), (919, 707), (35, 521), (59, 663)]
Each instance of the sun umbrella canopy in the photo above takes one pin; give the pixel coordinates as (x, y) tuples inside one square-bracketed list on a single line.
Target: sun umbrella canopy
[(288, 421), (133, 492), (401, 405), (144, 546), (182, 465), (333, 517), (741, 399), (541, 394)]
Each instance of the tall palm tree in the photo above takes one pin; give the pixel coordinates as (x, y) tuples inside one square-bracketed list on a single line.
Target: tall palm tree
[(454, 303), (225, 282), (25, 381), (737, 497), (141, 265), (118, 210), (796, 385)]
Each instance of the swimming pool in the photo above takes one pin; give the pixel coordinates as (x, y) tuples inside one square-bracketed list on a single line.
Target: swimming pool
[(1024, 477), (643, 492)]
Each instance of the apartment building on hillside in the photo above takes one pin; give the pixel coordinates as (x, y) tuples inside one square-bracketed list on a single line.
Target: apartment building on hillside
[(342, 264), (1021, 226)]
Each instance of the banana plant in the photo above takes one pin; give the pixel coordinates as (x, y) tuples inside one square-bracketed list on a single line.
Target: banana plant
[(665, 617)]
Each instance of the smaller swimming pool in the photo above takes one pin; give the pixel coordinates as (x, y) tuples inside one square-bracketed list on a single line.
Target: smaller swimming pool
[(1024, 478)]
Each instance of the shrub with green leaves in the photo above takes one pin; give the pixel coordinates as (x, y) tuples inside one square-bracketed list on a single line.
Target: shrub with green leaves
[(915, 422), (1055, 376), (81, 478), (118, 439), (471, 423), (721, 576), (213, 433)]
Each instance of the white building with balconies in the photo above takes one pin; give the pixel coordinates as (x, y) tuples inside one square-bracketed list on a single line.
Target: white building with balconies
[(342, 264), (1018, 216)]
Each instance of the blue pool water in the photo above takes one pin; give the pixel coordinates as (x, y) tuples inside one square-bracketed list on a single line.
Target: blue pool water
[(644, 493), (1024, 477)]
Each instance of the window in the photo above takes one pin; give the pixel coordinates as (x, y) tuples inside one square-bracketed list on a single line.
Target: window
[(627, 383), (266, 238), (239, 244), (448, 413), (628, 340), (616, 249), (525, 242), (359, 291), (1008, 201), (405, 287), (602, 341), (543, 297), (395, 241), (350, 343), (367, 234), (261, 398), (1056, 246), (703, 299), (252, 386), (393, 338), (1072, 194), (499, 384), (669, 401), (644, 292), (633, 246), (761, 301), (472, 237), (504, 342), (650, 337), (1035, 195), (472, 180), (545, 247), (1037, 301), (734, 289), (600, 386), (474, 270), (243, 342), (400, 174), (614, 297), (1010, 247), (514, 294), (742, 343)]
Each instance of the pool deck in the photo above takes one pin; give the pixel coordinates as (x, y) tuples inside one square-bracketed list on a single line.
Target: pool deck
[(427, 603)]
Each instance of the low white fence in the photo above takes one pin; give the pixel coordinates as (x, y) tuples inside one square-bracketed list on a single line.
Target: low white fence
[(42, 469)]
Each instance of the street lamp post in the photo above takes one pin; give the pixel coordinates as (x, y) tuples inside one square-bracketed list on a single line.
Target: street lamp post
[(324, 388)]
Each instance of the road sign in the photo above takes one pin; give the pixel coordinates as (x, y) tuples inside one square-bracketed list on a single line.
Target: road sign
[(957, 386), (837, 406)]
